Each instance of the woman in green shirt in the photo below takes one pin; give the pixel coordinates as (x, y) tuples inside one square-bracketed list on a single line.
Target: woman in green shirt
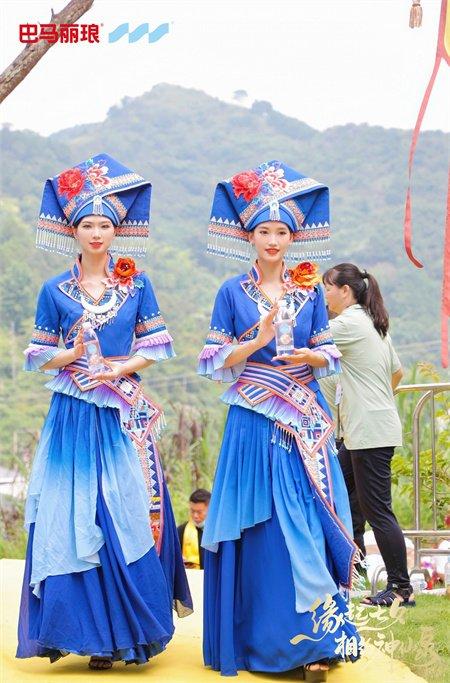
[(368, 415)]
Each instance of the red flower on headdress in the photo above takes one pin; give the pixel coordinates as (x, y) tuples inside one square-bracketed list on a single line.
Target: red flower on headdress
[(97, 175), (247, 183), (305, 275), (71, 182)]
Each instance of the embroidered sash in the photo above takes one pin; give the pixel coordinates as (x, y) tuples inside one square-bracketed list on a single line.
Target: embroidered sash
[(145, 421), (259, 382)]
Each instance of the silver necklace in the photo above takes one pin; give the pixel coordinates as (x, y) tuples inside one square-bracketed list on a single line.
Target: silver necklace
[(99, 308)]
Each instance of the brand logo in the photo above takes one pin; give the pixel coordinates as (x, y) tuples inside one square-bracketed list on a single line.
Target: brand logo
[(87, 33), (138, 33), (63, 33)]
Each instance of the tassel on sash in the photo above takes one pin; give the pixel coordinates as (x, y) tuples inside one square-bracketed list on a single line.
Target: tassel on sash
[(283, 437)]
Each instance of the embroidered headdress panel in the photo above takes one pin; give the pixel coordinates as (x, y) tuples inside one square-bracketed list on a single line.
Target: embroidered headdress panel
[(100, 186), (272, 191)]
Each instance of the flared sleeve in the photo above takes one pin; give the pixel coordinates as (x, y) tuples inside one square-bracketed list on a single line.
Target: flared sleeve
[(44, 342), (321, 339), (152, 339), (219, 341)]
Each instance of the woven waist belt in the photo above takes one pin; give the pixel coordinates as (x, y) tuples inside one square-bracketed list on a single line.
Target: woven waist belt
[(258, 382), (145, 416), (126, 386)]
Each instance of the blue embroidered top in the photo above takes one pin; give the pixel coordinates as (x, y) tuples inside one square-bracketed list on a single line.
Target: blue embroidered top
[(239, 304), (127, 320)]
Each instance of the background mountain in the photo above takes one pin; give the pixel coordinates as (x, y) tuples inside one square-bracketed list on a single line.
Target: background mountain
[(185, 141)]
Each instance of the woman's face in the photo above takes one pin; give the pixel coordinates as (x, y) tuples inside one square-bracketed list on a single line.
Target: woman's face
[(94, 234), (336, 297), (271, 240)]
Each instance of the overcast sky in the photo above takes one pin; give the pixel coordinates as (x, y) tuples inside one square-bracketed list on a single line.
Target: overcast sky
[(325, 62)]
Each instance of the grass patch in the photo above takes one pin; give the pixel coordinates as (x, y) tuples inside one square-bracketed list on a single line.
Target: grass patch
[(421, 641)]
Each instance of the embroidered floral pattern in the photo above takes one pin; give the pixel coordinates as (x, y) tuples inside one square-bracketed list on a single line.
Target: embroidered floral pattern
[(274, 177), (74, 180), (97, 175), (257, 184)]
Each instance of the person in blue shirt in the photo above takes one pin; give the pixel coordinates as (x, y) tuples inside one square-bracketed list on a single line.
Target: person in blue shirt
[(279, 550), (103, 564)]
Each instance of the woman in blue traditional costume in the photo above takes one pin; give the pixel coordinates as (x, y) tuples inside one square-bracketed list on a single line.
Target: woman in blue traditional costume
[(280, 552), (103, 566)]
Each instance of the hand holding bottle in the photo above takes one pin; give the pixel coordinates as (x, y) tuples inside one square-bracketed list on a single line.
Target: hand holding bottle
[(92, 349), (301, 356), (266, 331), (78, 346), (111, 371), (284, 329)]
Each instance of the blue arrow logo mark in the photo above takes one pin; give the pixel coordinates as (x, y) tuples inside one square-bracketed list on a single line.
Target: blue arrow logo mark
[(142, 30)]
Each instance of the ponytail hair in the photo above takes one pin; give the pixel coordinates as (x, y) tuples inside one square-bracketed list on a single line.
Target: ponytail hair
[(365, 290)]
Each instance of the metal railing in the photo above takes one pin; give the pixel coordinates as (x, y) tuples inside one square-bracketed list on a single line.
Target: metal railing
[(428, 391)]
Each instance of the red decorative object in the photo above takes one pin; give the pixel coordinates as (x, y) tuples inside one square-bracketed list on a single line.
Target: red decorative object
[(441, 54), (247, 183), (305, 275), (124, 269), (97, 175), (71, 182)]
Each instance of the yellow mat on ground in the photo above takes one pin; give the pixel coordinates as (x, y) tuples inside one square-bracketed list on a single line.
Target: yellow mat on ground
[(180, 663)]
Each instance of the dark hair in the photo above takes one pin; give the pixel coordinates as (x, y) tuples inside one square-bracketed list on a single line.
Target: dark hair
[(365, 290), (200, 496)]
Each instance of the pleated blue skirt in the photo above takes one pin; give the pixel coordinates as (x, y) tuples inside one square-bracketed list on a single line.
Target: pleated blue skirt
[(251, 619), (117, 610)]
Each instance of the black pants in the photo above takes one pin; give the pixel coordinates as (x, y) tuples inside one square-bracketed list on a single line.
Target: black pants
[(367, 474)]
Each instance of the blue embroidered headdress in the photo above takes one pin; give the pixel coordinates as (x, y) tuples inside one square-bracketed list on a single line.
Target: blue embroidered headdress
[(272, 191), (100, 186)]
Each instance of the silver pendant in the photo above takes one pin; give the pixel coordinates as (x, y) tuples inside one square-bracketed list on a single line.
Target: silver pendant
[(102, 308)]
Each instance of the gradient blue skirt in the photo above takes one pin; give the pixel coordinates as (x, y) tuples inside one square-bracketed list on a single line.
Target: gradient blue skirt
[(117, 610), (250, 616)]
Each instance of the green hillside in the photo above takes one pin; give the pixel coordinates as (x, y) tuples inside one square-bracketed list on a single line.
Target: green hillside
[(184, 141)]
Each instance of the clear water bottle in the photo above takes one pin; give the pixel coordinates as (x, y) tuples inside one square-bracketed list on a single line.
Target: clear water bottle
[(447, 577), (418, 582), (284, 330), (92, 349)]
